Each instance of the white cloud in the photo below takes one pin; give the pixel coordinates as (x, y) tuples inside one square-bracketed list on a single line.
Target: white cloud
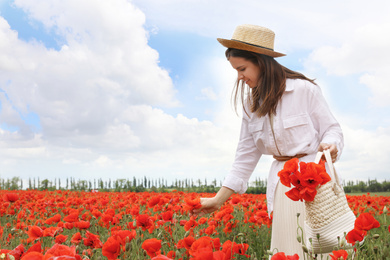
[(365, 54), (208, 93), (378, 83), (366, 154)]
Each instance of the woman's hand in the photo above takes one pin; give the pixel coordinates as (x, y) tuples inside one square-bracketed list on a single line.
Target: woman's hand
[(212, 204), (209, 205), (332, 149)]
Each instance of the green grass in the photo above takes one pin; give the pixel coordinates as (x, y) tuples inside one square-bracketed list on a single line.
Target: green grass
[(384, 193)]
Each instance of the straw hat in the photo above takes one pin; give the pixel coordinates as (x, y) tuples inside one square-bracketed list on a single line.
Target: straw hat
[(252, 38)]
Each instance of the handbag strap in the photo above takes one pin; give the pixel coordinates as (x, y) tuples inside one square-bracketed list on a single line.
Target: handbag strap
[(328, 158)]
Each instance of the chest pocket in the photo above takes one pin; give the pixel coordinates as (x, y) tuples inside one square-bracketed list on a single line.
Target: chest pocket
[(256, 128), (296, 129)]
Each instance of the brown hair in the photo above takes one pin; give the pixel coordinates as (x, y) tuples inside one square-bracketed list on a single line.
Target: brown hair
[(271, 85)]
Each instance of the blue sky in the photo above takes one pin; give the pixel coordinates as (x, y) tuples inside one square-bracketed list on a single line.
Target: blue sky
[(122, 88)]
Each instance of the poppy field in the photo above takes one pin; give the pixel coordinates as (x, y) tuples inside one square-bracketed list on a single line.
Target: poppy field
[(62, 224)]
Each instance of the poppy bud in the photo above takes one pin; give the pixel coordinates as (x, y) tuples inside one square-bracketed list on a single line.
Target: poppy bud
[(318, 236), (299, 238), (385, 210), (342, 243), (305, 249), (375, 236), (269, 252), (128, 247)]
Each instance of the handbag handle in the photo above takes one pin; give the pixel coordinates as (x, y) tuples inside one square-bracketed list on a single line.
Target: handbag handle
[(328, 158)]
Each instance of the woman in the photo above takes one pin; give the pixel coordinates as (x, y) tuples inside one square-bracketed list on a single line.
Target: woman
[(285, 115)]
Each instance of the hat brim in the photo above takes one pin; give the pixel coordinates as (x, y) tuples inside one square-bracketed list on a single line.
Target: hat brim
[(247, 47)]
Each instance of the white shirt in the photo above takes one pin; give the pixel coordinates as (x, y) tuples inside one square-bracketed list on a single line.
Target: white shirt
[(302, 121)]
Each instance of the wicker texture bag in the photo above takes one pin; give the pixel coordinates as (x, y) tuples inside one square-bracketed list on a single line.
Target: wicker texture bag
[(329, 215)]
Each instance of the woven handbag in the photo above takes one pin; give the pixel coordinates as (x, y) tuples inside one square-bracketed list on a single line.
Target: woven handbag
[(328, 217)]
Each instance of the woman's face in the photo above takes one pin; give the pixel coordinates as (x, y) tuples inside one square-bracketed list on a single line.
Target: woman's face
[(247, 71)]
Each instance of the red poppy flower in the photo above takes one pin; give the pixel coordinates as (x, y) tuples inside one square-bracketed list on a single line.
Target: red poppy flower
[(55, 219), (153, 201), (60, 239), (61, 250), (124, 236), (296, 179), (210, 230), (73, 217), (282, 256), (321, 170), (290, 168), (365, 222), (291, 165), (33, 256), (190, 204), (69, 225), (355, 235), (235, 200), (17, 252), (92, 240), (37, 247), (152, 247), (293, 194), (230, 248), (51, 231), (203, 253), (190, 224), (10, 197), (82, 224), (144, 221), (219, 255), (204, 242), (279, 256), (339, 255), (284, 176), (34, 232), (310, 178), (63, 257), (76, 238), (308, 194), (111, 248), (167, 215), (161, 257), (186, 242)]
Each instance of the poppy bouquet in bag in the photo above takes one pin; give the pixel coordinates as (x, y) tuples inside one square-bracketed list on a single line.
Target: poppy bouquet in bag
[(304, 177), (327, 214)]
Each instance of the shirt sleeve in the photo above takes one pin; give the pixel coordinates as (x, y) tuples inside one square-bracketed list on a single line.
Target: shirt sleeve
[(246, 159), (328, 128)]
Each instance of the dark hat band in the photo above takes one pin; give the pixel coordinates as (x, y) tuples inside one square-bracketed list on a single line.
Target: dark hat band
[(254, 45)]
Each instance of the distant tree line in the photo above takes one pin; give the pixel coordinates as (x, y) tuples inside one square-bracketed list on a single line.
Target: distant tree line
[(258, 186), (118, 185), (366, 186)]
